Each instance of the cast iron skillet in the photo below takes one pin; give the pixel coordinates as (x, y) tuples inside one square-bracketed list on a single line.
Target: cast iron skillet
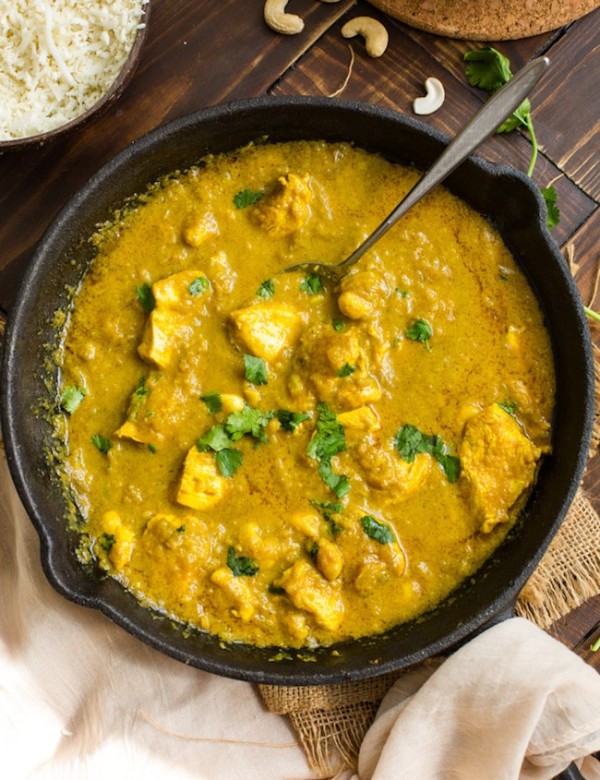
[(513, 205)]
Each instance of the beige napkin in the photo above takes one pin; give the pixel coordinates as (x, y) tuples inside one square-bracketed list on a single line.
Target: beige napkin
[(80, 699)]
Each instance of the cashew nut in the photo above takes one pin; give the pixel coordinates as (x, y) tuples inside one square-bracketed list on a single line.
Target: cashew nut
[(374, 33), (277, 19), (432, 100)]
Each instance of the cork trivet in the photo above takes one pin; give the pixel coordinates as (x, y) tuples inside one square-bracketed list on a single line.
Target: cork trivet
[(494, 20)]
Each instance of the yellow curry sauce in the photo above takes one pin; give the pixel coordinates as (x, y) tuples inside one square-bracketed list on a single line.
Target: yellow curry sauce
[(281, 463)]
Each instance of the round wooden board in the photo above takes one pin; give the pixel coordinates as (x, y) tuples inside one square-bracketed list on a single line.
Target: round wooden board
[(493, 20)]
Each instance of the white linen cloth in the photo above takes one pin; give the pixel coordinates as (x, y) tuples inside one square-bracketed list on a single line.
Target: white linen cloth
[(80, 699)]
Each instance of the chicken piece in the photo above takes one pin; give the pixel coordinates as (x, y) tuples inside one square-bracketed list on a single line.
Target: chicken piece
[(231, 402), (263, 548), (201, 486), (329, 559), (384, 469), (498, 462), (138, 425), (172, 553), (371, 575), (362, 419), (286, 209), (308, 591), (116, 540), (238, 590), (266, 330), (198, 229), (174, 296), (362, 293), (307, 522)]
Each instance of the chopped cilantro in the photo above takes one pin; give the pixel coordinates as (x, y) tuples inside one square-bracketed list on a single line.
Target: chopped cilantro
[(245, 198), (346, 370), (276, 590), (312, 284), (198, 286), (420, 331), (107, 542), (213, 402), (380, 532), (291, 420), (228, 461), (71, 397), (101, 443), (266, 289), (339, 483), (181, 529), (152, 449), (313, 550), (338, 324), (402, 293), (329, 509), (410, 441), (248, 420), (510, 407), (240, 565), (145, 297), (141, 391), (329, 437), (255, 370), (215, 439)]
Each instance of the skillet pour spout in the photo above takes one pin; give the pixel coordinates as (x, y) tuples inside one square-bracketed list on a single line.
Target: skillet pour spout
[(29, 383)]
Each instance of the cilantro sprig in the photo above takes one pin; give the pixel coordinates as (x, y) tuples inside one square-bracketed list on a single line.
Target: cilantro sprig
[(410, 442), (240, 565), (220, 438), (328, 439), (489, 70), (374, 529), (247, 197), (71, 397)]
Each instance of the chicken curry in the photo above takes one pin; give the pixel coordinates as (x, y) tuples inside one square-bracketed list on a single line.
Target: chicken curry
[(261, 456)]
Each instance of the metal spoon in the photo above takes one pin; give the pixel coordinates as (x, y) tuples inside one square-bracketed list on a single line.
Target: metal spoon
[(483, 124)]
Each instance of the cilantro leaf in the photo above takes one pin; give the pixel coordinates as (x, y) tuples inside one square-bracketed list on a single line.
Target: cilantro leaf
[(145, 297), (266, 289), (248, 420), (215, 439), (240, 565), (410, 441), (380, 532), (329, 437), (199, 285), (71, 397), (339, 483), (552, 210), (247, 197), (228, 461), (101, 443), (328, 509), (107, 542), (487, 69), (312, 284), (346, 370), (450, 465), (291, 420), (338, 324), (420, 331), (213, 402), (255, 370), (510, 407)]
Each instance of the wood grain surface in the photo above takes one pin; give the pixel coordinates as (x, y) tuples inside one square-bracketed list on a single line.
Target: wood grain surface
[(205, 52)]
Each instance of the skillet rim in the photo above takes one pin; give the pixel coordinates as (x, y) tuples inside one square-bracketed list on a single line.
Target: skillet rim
[(286, 672)]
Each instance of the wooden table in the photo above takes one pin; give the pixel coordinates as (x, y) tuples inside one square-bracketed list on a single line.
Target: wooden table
[(209, 51)]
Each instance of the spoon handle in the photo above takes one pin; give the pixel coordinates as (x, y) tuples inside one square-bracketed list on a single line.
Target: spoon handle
[(483, 124)]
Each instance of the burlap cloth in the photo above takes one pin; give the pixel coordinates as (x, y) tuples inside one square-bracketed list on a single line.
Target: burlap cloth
[(332, 720)]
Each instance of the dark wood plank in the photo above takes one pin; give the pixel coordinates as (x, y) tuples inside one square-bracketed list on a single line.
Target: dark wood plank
[(395, 79), (567, 111)]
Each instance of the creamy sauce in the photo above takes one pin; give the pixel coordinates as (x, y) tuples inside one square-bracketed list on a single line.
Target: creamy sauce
[(281, 463)]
